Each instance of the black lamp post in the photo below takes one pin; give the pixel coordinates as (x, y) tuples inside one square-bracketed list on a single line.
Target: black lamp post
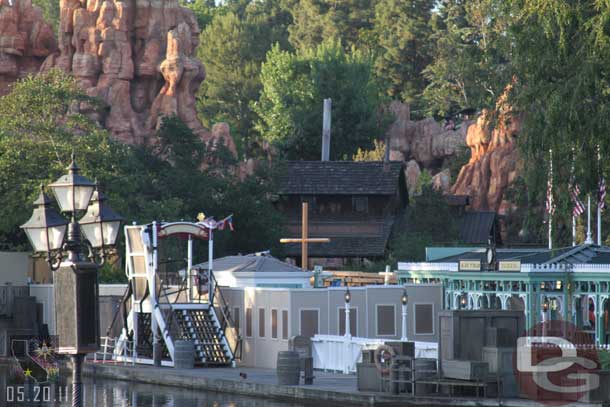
[(75, 261)]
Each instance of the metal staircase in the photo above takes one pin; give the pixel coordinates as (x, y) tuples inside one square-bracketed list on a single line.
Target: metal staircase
[(150, 306)]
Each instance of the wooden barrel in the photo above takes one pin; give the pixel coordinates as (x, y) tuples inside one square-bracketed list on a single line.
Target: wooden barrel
[(288, 368), (184, 354)]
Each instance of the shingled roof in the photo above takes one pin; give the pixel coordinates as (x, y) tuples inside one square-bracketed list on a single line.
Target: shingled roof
[(348, 246), (340, 178)]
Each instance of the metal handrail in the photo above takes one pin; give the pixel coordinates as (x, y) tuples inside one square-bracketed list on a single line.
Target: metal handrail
[(227, 320)]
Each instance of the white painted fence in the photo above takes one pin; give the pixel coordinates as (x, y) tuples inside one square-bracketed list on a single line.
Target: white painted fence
[(338, 353)]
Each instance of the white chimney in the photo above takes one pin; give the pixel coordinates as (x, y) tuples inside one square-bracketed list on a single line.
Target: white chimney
[(326, 130)]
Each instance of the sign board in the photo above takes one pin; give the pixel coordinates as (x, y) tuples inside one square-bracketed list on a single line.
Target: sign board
[(470, 265), (509, 265)]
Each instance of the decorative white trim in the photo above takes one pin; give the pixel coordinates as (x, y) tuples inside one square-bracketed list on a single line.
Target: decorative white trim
[(426, 266)]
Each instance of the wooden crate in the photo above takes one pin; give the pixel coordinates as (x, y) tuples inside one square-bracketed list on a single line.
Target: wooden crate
[(465, 370)]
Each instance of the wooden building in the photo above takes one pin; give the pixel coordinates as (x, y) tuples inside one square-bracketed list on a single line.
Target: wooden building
[(354, 204)]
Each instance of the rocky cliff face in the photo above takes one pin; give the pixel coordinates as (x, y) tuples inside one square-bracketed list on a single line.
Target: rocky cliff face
[(494, 161), (424, 144), (25, 41), (137, 56)]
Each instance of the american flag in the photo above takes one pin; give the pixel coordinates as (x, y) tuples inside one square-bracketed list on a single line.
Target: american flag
[(579, 207), (601, 194), (228, 221)]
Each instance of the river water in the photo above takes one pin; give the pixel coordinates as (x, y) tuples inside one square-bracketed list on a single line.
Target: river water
[(111, 393)]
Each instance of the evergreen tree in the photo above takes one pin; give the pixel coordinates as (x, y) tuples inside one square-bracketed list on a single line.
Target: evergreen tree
[(470, 64), (315, 21), (232, 50), (403, 37)]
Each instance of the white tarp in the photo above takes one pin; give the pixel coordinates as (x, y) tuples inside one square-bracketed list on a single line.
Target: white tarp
[(338, 353)]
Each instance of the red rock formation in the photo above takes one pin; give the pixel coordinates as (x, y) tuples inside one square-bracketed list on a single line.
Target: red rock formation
[(425, 141), (494, 162), (139, 57), (25, 41)]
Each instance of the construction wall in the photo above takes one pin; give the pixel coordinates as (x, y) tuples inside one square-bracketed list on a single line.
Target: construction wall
[(15, 267), (110, 295), (289, 312)]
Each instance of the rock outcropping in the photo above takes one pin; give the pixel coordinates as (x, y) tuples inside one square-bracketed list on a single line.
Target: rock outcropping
[(494, 161), (25, 41), (425, 141), (138, 57)]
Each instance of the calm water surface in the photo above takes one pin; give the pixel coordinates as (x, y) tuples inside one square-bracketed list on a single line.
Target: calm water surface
[(110, 393)]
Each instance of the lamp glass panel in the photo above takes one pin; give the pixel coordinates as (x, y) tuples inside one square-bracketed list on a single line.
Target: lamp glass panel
[(38, 239), (56, 236), (72, 198), (92, 232), (111, 232)]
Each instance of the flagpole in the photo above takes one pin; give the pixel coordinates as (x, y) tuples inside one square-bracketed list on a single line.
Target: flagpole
[(573, 230), (572, 186), (601, 196), (549, 198), (599, 225), (589, 239)]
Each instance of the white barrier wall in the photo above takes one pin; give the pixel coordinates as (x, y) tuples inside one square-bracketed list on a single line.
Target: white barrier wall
[(44, 295), (338, 353)]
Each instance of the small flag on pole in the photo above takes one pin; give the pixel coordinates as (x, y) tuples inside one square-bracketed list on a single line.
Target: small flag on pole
[(550, 203), (228, 221), (601, 194), (579, 206)]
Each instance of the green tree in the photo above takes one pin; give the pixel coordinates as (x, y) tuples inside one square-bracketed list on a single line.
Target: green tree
[(39, 130), (376, 154), (403, 36), (317, 21), (204, 10), (50, 12), (294, 87), (471, 57), (232, 49), (560, 58)]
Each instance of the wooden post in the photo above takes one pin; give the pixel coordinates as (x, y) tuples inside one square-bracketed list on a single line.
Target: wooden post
[(304, 240)]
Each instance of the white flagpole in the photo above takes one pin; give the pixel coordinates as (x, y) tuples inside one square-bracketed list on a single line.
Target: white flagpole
[(599, 209), (573, 181), (550, 199), (573, 230), (599, 225), (589, 239)]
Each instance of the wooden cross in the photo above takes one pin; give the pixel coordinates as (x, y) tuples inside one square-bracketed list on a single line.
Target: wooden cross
[(305, 239)]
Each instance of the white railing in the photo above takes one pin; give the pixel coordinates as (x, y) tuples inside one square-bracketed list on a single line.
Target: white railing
[(563, 268), (115, 350), (424, 266), (537, 268), (591, 268), (340, 354)]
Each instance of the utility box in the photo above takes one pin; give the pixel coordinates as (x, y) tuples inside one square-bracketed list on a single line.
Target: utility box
[(77, 308)]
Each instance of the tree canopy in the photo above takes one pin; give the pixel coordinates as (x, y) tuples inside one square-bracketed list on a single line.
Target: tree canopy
[(294, 86), (39, 130)]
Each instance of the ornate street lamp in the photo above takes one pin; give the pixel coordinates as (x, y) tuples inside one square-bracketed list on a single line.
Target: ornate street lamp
[(405, 301), (46, 228), (348, 298), (100, 225), (75, 281)]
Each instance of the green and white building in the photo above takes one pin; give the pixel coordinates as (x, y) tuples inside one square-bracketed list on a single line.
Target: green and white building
[(574, 280)]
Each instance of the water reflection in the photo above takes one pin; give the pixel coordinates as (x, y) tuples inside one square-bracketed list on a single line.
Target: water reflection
[(114, 393)]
